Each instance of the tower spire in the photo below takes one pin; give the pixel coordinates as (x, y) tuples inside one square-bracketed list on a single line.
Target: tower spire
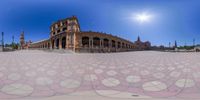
[(138, 39), (22, 42), (175, 44)]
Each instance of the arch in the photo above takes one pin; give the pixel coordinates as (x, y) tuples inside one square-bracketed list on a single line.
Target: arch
[(119, 44), (58, 31), (85, 41), (105, 42), (57, 44), (63, 42), (113, 44), (96, 42), (64, 29)]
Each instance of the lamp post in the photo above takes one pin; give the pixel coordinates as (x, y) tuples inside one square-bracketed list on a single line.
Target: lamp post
[(194, 42), (169, 44), (13, 40), (2, 41)]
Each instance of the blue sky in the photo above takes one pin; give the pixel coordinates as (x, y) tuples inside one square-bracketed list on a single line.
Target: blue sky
[(172, 19)]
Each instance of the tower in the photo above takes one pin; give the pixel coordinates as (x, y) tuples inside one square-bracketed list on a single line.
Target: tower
[(175, 44), (169, 44), (194, 42), (138, 39), (22, 42)]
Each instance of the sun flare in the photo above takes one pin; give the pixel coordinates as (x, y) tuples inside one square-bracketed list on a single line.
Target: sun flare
[(143, 17)]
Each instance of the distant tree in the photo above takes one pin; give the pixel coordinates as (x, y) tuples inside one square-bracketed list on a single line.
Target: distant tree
[(186, 47), (15, 46)]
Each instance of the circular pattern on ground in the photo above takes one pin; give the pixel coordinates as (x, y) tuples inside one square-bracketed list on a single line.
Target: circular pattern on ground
[(30, 73), (98, 71), (51, 72), (110, 82), (44, 81), (17, 89), (67, 73), (111, 73), (185, 83), (133, 79), (175, 74), (159, 75), (1, 74), (154, 86), (90, 77), (70, 83), (14, 76), (144, 72)]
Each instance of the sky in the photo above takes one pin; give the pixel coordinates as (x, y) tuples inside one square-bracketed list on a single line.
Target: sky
[(168, 20)]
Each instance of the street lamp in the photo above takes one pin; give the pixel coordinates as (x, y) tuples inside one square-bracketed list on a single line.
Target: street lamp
[(2, 41), (194, 42), (13, 40)]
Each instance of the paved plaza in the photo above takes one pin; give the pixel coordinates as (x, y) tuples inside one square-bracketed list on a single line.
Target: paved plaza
[(41, 75)]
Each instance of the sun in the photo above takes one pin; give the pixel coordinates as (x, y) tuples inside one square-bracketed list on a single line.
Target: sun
[(143, 17)]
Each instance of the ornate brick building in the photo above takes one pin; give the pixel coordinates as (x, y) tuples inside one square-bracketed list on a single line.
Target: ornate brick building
[(22, 41), (66, 34), (139, 45), (23, 44)]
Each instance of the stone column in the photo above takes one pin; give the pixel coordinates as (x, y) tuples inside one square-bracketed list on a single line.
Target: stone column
[(109, 45), (50, 44), (102, 43), (79, 39), (89, 47), (120, 45), (75, 42), (116, 46), (91, 42), (55, 43), (66, 42), (60, 43)]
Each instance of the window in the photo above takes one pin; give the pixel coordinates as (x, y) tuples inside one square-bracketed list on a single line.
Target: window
[(58, 31), (113, 43), (52, 28), (56, 26), (64, 29)]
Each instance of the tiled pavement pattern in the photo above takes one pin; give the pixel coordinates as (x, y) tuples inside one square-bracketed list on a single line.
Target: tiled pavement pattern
[(36, 74)]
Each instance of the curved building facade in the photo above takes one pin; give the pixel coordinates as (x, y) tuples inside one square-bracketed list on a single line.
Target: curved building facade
[(66, 34)]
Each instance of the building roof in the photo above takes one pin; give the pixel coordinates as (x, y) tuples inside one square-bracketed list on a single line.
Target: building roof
[(197, 47), (68, 18), (40, 41)]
